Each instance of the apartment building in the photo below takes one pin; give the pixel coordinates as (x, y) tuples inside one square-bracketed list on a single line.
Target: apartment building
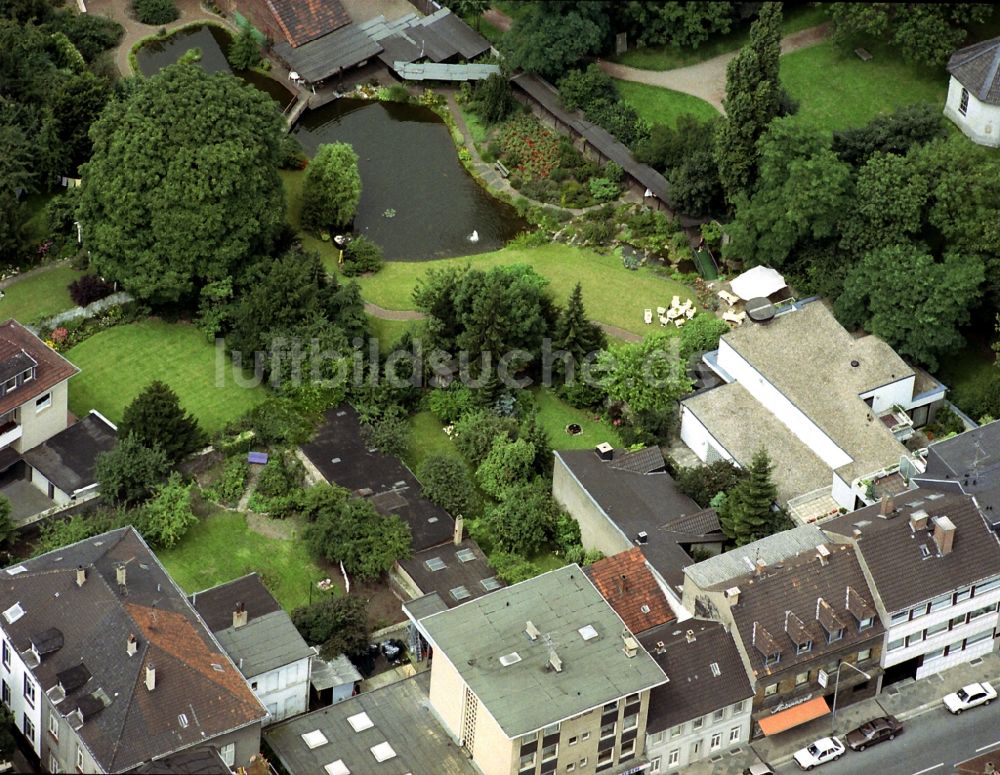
[(539, 677), (933, 564)]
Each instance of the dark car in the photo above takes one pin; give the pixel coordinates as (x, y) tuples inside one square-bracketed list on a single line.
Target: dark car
[(874, 731)]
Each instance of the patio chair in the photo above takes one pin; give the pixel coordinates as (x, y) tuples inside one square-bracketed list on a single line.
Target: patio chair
[(661, 310), (676, 302), (731, 317), (680, 321), (648, 316), (689, 313), (664, 320)]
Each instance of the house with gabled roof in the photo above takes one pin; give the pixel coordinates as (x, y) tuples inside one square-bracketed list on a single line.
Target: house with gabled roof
[(106, 666), (628, 584), (973, 101)]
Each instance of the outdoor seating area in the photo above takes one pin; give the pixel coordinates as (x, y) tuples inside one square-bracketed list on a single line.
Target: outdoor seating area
[(676, 313)]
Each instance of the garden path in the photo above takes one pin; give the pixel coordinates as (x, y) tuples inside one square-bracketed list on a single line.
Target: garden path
[(707, 80), (498, 19)]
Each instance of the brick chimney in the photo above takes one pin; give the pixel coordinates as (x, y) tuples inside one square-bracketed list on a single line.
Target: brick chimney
[(918, 520), (459, 527), (81, 576), (944, 534), (120, 575), (240, 616), (150, 676), (887, 506), (131, 644), (761, 567)]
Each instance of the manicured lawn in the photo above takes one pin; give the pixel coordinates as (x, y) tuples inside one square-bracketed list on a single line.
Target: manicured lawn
[(389, 331), (554, 414), (669, 57), (611, 293), (427, 439), (39, 296), (663, 106), (837, 90), (116, 364), (221, 548)]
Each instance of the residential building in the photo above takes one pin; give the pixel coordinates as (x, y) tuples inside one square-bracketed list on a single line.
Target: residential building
[(288, 21), (260, 638), (623, 499), (933, 564), (830, 409), (972, 461), (539, 677), (630, 587), (64, 465), (389, 731), (973, 101), (796, 623), (193, 761), (106, 666), (704, 709), (457, 571)]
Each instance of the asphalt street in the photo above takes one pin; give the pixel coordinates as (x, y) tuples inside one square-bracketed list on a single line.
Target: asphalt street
[(931, 744)]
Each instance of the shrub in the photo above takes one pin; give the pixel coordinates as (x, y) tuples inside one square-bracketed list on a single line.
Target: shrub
[(229, 489), (293, 157), (244, 52), (361, 255), (155, 11), (445, 480), (88, 289), (614, 172), (512, 568), (603, 190), (451, 403), (703, 483), (279, 487), (528, 147)]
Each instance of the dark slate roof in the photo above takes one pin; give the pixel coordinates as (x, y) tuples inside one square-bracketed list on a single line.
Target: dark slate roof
[(460, 35), (902, 574), (977, 68), (802, 594), (438, 37), (304, 20), (69, 458), (401, 716), (398, 48), (320, 58), (15, 364), (629, 586), (267, 641), (465, 566), (196, 761), (52, 367), (339, 439), (546, 95), (972, 459), (124, 724), (635, 501), (694, 688)]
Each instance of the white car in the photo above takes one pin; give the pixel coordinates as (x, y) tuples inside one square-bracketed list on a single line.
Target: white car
[(826, 749), (969, 697)]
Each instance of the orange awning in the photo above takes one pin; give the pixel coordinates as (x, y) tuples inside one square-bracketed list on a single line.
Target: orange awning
[(792, 717)]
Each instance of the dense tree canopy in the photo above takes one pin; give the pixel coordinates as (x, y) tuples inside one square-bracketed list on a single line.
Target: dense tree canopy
[(155, 418), (332, 188), (646, 376), (683, 24), (129, 472), (183, 187), (445, 480), (748, 512), (338, 625), (685, 154), (551, 37)]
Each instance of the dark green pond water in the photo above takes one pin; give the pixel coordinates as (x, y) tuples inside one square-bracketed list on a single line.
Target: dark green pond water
[(408, 163)]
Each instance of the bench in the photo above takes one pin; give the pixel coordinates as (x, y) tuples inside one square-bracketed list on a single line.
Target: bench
[(504, 172), (863, 54)]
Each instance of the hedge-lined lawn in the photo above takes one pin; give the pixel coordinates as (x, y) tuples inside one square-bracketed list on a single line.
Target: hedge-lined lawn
[(388, 332), (836, 90), (554, 415), (119, 362), (611, 293), (221, 547), (670, 57), (663, 106), (427, 438), (39, 296)]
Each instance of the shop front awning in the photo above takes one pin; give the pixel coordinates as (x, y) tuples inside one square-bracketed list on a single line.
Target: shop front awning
[(799, 714)]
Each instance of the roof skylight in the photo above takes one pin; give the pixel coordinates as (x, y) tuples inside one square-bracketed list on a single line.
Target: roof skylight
[(337, 768), (13, 613), (314, 739), (383, 752), (360, 721), (510, 659), (588, 632)]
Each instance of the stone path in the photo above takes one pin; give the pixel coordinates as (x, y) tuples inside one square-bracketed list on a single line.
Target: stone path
[(707, 80), (392, 314)]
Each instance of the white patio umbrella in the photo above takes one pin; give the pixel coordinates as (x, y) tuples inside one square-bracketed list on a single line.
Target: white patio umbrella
[(759, 281)]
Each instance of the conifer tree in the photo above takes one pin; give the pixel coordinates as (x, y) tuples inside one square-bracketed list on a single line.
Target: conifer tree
[(748, 513), (155, 418)]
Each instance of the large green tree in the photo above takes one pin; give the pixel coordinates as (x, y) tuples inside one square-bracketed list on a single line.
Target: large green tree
[(574, 332), (445, 480), (166, 517), (685, 154), (338, 625), (917, 304), (551, 37), (681, 24), (183, 186), (523, 519), (131, 471), (647, 376), (155, 417), (507, 464), (749, 511), (752, 101), (332, 188)]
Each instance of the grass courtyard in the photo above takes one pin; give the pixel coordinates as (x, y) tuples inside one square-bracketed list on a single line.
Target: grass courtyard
[(39, 296), (119, 362), (663, 106), (222, 547), (611, 293)]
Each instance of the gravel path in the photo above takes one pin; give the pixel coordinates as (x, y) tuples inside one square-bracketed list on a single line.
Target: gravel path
[(707, 80)]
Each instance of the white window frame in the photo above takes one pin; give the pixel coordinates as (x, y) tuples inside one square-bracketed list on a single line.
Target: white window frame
[(864, 655), (979, 637), (228, 753), (603, 757), (634, 725), (899, 617), (716, 742), (31, 697), (79, 757), (770, 690), (940, 602), (719, 715), (986, 586), (43, 403), (676, 731), (553, 755), (896, 645), (54, 725), (627, 750), (734, 734), (654, 765), (614, 729), (738, 707), (963, 101), (963, 594), (673, 757), (53, 762)]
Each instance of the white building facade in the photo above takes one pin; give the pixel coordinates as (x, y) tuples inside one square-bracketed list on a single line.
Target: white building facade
[(283, 690), (978, 120), (670, 751)]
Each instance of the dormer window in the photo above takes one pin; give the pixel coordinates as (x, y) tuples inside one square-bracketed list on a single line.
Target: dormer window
[(804, 648), (835, 635), (772, 659), (867, 622)]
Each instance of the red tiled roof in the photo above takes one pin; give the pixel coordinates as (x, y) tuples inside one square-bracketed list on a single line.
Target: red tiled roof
[(627, 583), (305, 20), (52, 367)]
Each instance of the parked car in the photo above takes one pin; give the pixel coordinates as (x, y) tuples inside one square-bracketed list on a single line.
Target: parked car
[(758, 769), (826, 749), (969, 697), (874, 731)]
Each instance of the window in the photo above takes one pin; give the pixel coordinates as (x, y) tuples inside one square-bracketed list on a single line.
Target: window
[(986, 586), (698, 723), (571, 766), (916, 637), (550, 752), (716, 742), (608, 730), (804, 648), (719, 714), (772, 659), (44, 402), (655, 738), (963, 101), (738, 707), (676, 731), (605, 757), (802, 678), (585, 736), (957, 621), (630, 722), (982, 611), (654, 764), (29, 691), (937, 654), (54, 725), (769, 690), (895, 645), (29, 729), (627, 750), (228, 753), (934, 629), (573, 740), (864, 655), (835, 635), (899, 618), (79, 758), (54, 763), (734, 734), (963, 594), (583, 762), (865, 623), (6, 654), (611, 706), (551, 729), (527, 760), (695, 748), (6, 694), (673, 757), (978, 638), (940, 603)]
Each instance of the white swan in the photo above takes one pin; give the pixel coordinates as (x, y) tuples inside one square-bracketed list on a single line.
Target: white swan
[(474, 237)]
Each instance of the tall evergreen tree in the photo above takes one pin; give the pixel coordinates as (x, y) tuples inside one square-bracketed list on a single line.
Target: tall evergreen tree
[(155, 418), (532, 431), (748, 513), (574, 332), (752, 101)]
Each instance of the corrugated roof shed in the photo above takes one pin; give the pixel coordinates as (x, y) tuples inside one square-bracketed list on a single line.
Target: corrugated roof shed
[(427, 71)]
